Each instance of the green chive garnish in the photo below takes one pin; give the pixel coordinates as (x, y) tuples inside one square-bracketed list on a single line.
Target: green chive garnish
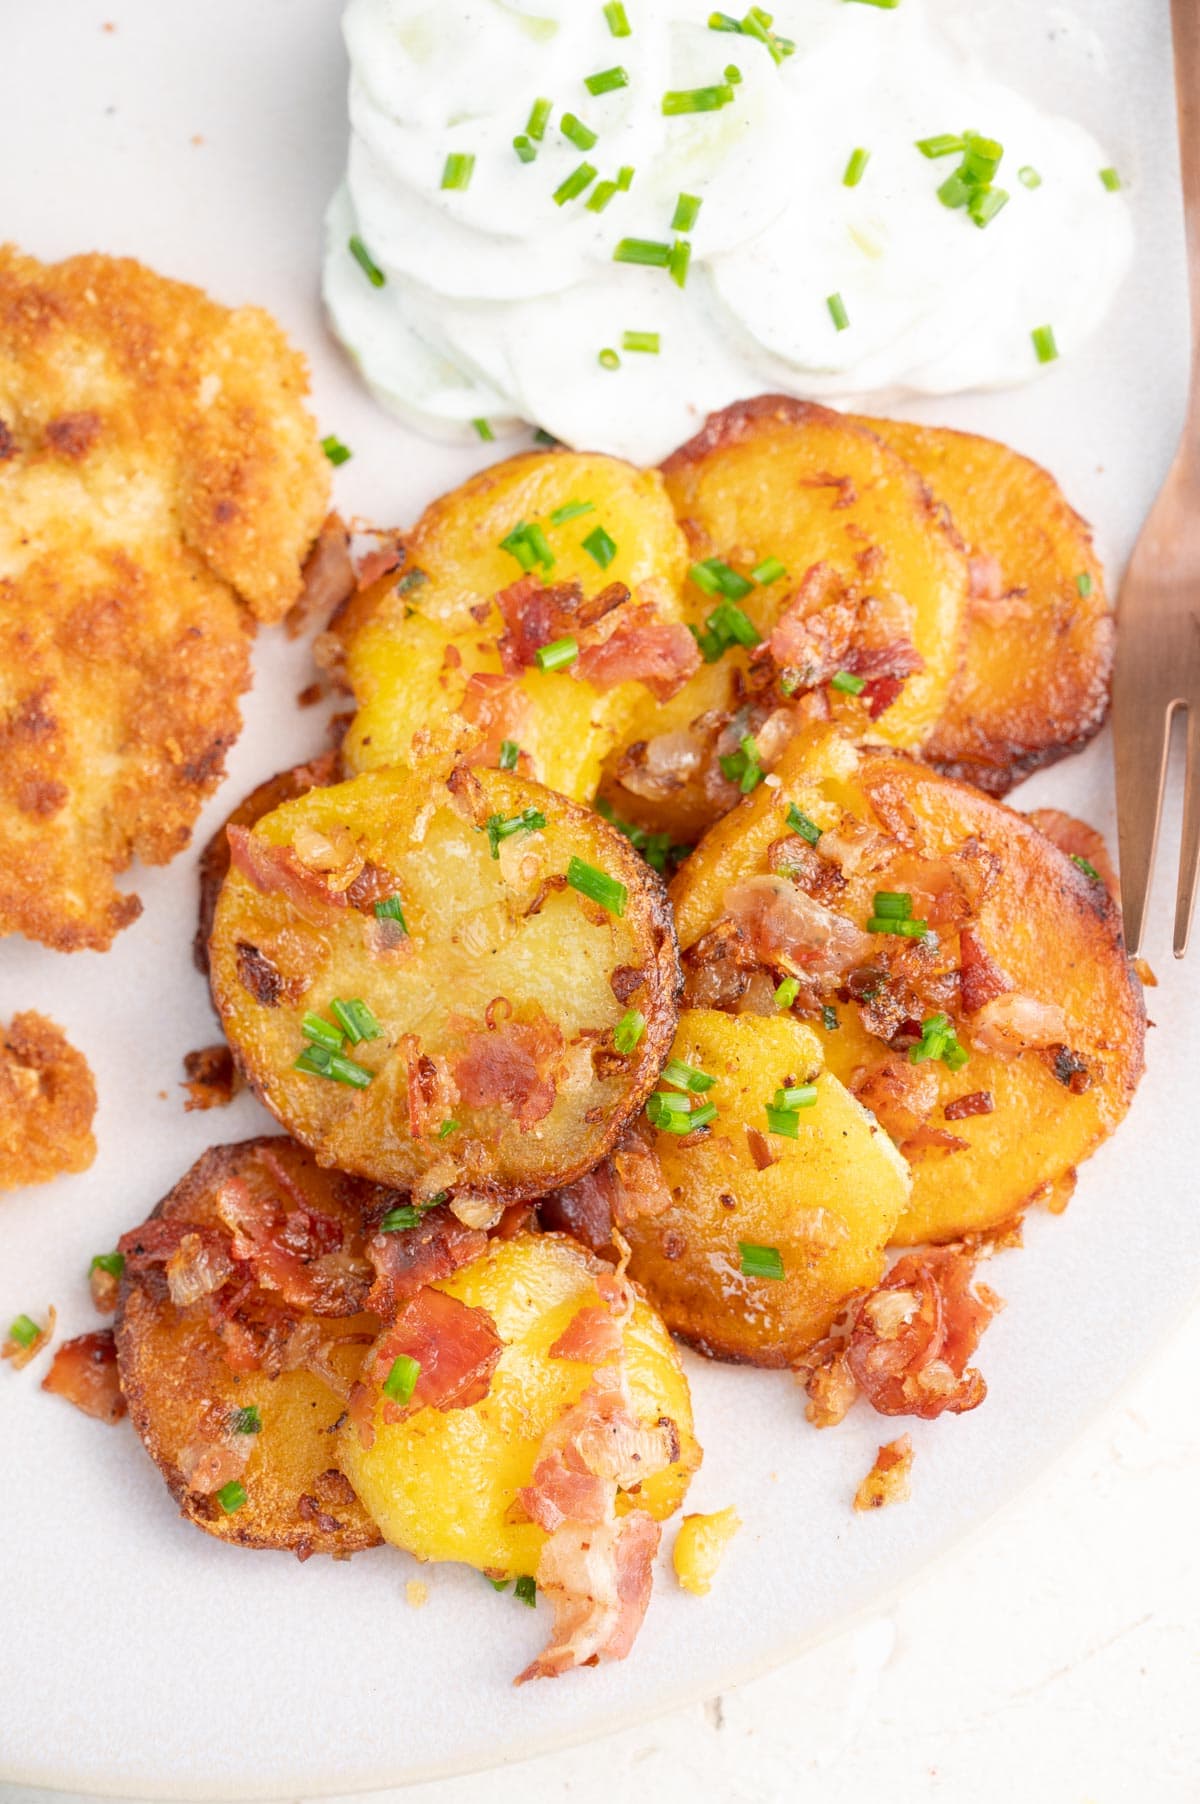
[(1044, 344), (1029, 176), (447, 1128), (1088, 869), (837, 311), (1083, 583), (597, 886), (679, 262), (605, 81), (723, 22), (717, 578), (571, 510), (696, 100), (366, 262), (318, 1061), (510, 751), (783, 1121), (618, 22), (743, 767), (640, 341), (682, 1076), (581, 136), (458, 169), (760, 1262), (600, 196), (410, 1215), (600, 548), (525, 148), (501, 827), (629, 1030), (557, 655), (643, 250), (321, 1033), (232, 1497), (1111, 180), (787, 992), (893, 914), (733, 74), (608, 359), (484, 430), (769, 571), (687, 211), (247, 1420), (112, 1263), (24, 1330), (335, 451), (939, 1041), (390, 909), (795, 1096), (985, 203), (526, 1589), (829, 1018), (894, 902), (856, 167), (800, 823), (401, 1381), (356, 1019), (944, 145), (529, 545), (574, 185), (847, 682), (625, 175), (539, 119)]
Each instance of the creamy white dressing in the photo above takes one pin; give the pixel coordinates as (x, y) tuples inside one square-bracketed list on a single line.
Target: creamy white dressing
[(497, 302)]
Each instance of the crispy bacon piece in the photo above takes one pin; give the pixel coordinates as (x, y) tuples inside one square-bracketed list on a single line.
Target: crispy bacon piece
[(283, 1248), (537, 613), (914, 1333), (830, 626), (431, 1091), (598, 1581), (596, 1444), (640, 648), (1016, 1023), (500, 709), (1078, 840), (457, 1348), (789, 931), (627, 1184), (216, 1455), (512, 1066), (979, 1102), (211, 1077), (406, 1261), (980, 978), (592, 1336), (888, 1480), (277, 869), (84, 1371), (327, 579)]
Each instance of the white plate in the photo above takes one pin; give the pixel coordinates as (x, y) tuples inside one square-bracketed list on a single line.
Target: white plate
[(138, 1657)]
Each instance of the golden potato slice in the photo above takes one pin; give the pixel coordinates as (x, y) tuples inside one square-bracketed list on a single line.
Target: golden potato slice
[(1034, 681), (422, 649), (826, 1203), (1024, 962), (863, 557), (237, 1382), (442, 1484), (493, 990)]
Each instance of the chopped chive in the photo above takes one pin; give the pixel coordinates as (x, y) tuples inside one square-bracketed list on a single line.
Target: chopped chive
[(800, 823), (760, 1262), (318, 1061), (1083, 583), (24, 1330), (1029, 176), (412, 579), (673, 1114), (232, 1497), (700, 1118), (558, 655), (571, 510), (458, 169), (898, 924), (679, 262), (600, 548), (783, 1121), (668, 1104), (1110, 179), (526, 1589), (539, 119), (322, 1033), (529, 545), (597, 886), (497, 1584), (580, 135), (682, 1076), (733, 624), (723, 22), (643, 250), (625, 175), (954, 191), (641, 341), (795, 1096), (484, 430), (1088, 869), (600, 196), (410, 1215), (856, 167), (981, 158), (357, 1020), (939, 1041), (687, 211), (618, 22), (733, 74), (743, 767), (574, 185), (608, 359), (677, 101), (945, 144), (605, 81), (769, 571), (247, 1420), (787, 992), (985, 203), (447, 1128), (112, 1263), (525, 148), (510, 751), (829, 1018), (717, 578), (500, 827), (366, 262), (1044, 344), (390, 909), (837, 311), (335, 451), (847, 682), (401, 1381), (896, 903), (629, 1030)]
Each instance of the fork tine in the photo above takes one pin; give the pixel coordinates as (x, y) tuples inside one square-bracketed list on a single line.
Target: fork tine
[(1140, 784), (1189, 856)]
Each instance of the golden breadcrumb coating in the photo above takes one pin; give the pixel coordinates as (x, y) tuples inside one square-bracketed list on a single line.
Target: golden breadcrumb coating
[(160, 484), (47, 1101)]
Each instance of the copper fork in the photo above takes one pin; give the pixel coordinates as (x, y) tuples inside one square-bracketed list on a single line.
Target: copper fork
[(1157, 672)]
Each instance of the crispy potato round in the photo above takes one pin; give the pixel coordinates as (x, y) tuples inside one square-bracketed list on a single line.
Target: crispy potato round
[(1050, 932), (1034, 681), (184, 1397), (776, 478), (496, 996), (828, 1203), (442, 1483), (416, 640)]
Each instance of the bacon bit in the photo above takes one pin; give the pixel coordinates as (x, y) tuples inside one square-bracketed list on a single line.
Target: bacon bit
[(287, 1250), (1071, 1070), (817, 876), (717, 967), (829, 625), (584, 1209), (591, 1336), (787, 930), (212, 1079), (500, 709), (641, 1189), (914, 1333), (431, 1092), (20, 1356), (512, 1066), (1016, 1023), (596, 1444), (980, 978), (641, 648), (216, 1455), (1078, 840), (327, 579), (278, 870), (84, 1371), (373, 553), (888, 1480), (899, 1094), (831, 1387), (760, 1150), (456, 1346), (536, 613), (979, 1102), (598, 1582)]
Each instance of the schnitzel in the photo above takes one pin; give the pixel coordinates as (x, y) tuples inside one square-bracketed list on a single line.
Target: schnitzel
[(160, 484)]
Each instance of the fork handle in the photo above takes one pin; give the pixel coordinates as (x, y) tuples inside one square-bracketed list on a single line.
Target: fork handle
[(1185, 24)]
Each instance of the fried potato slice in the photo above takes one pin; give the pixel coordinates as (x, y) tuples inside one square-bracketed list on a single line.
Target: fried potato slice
[(443, 1483), (827, 1202), (231, 1380), (422, 651), (870, 581), (494, 1073), (1034, 681), (1023, 962), (47, 1103), (160, 482)]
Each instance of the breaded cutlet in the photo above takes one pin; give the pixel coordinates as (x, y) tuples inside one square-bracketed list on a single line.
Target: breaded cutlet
[(160, 483)]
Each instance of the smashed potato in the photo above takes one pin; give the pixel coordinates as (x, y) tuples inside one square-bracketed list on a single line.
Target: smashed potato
[(444, 652), (47, 1103), (443, 1481), (851, 593), (1034, 681), (819, 1187), (160, 482), (700, 1546), (967, 979), (461, 915), (240, 1331)]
